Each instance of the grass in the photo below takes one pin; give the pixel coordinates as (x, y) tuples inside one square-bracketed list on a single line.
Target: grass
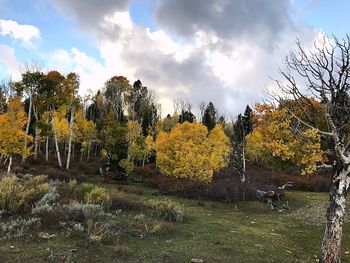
[(212, 231)]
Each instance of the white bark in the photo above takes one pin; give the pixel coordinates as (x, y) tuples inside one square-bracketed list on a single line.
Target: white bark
[(89, 149), (71, 124), (47, 142), (36, 140), (56, 142), (9, 165), (331, 244), (27, 127)]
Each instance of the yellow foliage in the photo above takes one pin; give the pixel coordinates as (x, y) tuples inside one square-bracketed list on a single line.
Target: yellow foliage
[(189, 151), (98, 195), (84, 130), (16, 194), (273, 136), (12, 135), (61, 125)]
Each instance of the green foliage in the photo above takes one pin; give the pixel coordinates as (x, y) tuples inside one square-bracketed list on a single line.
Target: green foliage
[(127, 165), (16, 194), (114, 141), (83, 189), (210, 116), (98, 195), (168, 210)]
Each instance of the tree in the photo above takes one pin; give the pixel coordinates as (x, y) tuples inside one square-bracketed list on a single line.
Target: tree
[(326, 72), (117, 90), (85, 132), (30, 85), (114, 142), (71, 85), (52, 97), (142, 107), (274, 140), (242, 127), (186, 116), (12, 136), (189, 151), (210, 116)]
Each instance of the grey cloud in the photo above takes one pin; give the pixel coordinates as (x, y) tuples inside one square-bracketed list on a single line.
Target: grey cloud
[(167, 76), (227, 19), (89, 14)]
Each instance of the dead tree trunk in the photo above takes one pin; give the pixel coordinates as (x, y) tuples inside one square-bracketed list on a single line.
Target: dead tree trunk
[(331, 244), (326, 71)]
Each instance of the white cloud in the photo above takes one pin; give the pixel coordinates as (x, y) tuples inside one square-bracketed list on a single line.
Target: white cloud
[(218, 58), (231, 74), (25, 33), (9, 61)]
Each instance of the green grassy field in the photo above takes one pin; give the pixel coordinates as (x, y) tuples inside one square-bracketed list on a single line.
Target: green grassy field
[(211, 231)]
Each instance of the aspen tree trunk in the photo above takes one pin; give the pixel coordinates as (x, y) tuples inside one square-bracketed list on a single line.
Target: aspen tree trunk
[(88, 153), (47, 142), (143, 161), (47, 149), (243, 174), (56, 143), (9, 165), (71, 123), (36, 140), (331, 244), (27, 128)]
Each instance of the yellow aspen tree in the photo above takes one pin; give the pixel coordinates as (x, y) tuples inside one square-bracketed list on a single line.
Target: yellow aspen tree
[(190, 151), (274, 136), (12, 134)]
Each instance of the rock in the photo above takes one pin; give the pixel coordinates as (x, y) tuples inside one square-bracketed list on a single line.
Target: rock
[(46, 235), (13, 249), (197, 260)]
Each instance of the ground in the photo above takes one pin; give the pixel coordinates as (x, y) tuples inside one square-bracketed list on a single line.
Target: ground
[(211, 231)]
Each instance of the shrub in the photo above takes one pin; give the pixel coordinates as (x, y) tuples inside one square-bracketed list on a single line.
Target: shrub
[(98, 195), (168, 210), (16, 194), (83, 189), (98, 232), (48, 209), (81, 212), (18, 227), (72, 184), (127, 166)]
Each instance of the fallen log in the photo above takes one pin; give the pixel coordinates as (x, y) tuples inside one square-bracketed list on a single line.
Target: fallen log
[(271, 197)]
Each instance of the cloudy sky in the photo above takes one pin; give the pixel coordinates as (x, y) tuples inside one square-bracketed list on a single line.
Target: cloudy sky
[(224, 51)]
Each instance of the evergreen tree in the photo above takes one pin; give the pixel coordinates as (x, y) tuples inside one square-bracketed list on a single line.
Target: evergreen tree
[(210, 116)]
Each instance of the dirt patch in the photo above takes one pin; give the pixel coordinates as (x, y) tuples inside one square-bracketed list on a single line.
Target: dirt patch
[(314, 214)]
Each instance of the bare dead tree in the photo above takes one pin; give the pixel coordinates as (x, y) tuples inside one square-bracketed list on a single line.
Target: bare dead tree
[(202, 106), (326, 74), (181, 105)]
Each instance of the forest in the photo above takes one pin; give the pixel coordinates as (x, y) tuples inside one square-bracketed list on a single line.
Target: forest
[(106, 171)]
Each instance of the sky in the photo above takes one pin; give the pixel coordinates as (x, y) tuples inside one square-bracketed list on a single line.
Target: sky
[(224, 51)]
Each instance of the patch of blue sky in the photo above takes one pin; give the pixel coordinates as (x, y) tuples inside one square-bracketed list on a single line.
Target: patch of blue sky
[(142, 13), (329, 16), (56, 31)]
